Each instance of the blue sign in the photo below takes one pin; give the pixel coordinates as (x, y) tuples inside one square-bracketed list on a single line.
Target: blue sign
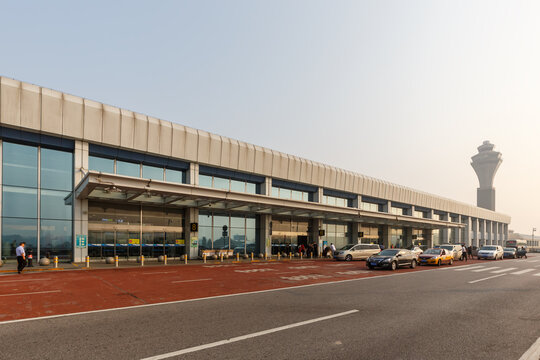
[(81, 241)]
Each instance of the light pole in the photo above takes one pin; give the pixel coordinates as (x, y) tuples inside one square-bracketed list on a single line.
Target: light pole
[(532, 242)]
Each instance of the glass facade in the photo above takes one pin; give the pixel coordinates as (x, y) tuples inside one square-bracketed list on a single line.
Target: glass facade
[(396, 238), (228, 184), (116, 229), (369, 206), (370, 234), (289, 194), (337, 233), (227, 231), (133, 169), (335, 201), (288, 234), (35, 183)]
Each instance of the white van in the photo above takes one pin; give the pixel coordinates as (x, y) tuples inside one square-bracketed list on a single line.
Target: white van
[(356, 252)]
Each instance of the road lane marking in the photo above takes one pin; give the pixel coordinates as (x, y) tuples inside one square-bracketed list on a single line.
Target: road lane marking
[(19, 280), (352, 272), (33, 293), (158, 272), (533, 353), (537, 274), (303, 267), (486, 269), (491, 277), (522, 272), (469, 268), (503, 270), (253, 270), (185, 281), (248, 336), (305, 277)]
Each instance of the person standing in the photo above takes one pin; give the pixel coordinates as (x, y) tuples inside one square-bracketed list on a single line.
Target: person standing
[(464, 252), (333, 247), (21, 257)]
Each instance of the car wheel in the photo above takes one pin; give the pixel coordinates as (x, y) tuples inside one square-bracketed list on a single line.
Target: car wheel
[(370, 267), (451, 262), (413, 264), (439, 263), (393, 266), (348, 258)]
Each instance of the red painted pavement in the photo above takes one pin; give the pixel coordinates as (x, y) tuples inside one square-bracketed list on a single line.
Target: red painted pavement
[(66, 292)]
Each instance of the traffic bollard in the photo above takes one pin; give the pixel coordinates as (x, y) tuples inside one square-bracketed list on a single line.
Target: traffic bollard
[(56, 261), (164, 259), (116, 260), (251, 256), (278, 255), (301, 255), (290, 256), (142, 260), (311, 256), (204, 258), (87, 261), (185, 259), (220, 257), (237, 256)]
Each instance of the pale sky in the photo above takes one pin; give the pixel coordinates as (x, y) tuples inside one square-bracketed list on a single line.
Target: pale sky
[(403, 91)]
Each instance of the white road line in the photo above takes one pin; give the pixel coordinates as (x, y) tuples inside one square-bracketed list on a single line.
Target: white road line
[(185, 281), (522, 272), (469, 268), (19, 280), (533, 353), (248, 336), (491, 277), (33, 293), (486, 269), (532, 260), (158, 272), (503, 270), (537, 274)]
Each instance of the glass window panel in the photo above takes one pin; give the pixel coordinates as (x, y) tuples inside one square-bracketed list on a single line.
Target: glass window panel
[(205, 219), (101, 164), (19, 165), (221, 183), (220, 241), (152, 172), (53, 205), (296, 195), (238, 222), (56, 238), (250, 223), (205, 237), (250, 240), (14, 231), (176, 176), (128, 168), (205, 180), (239, 186), (19, 202), (56, 170), (238, 237), (220, 221), (284, 193), (275, 191), (251, 188)]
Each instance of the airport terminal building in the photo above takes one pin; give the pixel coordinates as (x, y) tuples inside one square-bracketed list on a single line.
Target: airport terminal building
[(83, 178)]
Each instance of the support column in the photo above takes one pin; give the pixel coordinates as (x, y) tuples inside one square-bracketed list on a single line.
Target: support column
[(318, 196), (458, 231), (444, 233), (474, 230), (428, 234), (1, 157), (466, 234), (193, 174), (265, 239), (481, 232), (495, 229), (266, 186), (355, 228), (407, 237), (80, 207), (386, 235), (315, 226), (191, 242)]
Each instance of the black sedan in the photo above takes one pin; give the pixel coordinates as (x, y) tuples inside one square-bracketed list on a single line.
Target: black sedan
[(392, 259)]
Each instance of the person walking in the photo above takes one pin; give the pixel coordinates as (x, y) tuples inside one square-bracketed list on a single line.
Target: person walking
[(21, 257), (464, 252)]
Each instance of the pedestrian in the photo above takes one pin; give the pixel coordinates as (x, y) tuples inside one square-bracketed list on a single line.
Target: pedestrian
[(469, 251), (464, 252), (333, 247), (21, 257)]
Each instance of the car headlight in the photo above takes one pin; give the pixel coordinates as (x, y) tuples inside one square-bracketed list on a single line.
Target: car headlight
[(386, 260)]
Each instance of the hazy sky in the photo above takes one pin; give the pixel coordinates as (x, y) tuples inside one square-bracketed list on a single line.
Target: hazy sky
[(399, 90)]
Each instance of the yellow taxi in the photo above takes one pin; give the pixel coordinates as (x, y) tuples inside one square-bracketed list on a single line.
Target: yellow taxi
[(436, 257)]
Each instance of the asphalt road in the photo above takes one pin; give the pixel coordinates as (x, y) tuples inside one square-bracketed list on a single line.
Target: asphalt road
[(480, 311)]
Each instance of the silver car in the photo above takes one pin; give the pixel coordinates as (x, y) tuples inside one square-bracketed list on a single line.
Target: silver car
[(356, 252), (494, 252)]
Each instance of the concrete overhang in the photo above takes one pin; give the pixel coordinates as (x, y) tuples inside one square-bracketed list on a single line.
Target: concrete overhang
[(124, 189)]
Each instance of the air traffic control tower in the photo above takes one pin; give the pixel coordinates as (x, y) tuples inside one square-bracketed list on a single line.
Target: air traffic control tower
[(485, 164)]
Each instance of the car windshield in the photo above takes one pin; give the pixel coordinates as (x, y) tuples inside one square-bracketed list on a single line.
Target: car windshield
[(432, 251), (447, 247), (346, 247), (388, 252), (509, 249), (489, 248)]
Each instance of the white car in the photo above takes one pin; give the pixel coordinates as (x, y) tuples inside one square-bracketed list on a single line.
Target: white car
[(454, 249), (494, 252)]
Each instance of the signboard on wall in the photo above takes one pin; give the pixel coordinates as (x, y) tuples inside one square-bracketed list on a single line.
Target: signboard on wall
[(81, 241), (134, 241), (180, 242), (194, 227), (194, 242), (322, 232)]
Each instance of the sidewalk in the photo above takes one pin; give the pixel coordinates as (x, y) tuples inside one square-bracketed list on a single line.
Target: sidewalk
[(10, 266)]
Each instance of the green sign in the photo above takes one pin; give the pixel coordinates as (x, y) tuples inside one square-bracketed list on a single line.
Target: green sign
[(81, 241)]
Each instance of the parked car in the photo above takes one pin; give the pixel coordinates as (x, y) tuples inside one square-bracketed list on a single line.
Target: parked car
[(416, 249), (454, 249), (436, 257), (392, 259), (509, 252), (356, 252), (494, 252)]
